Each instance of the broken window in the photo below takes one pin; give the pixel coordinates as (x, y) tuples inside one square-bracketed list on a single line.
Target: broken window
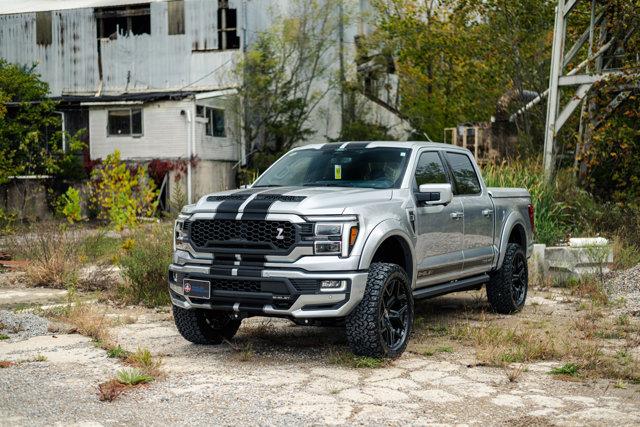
[(124, 122), (175, 16), (215, 122), (227, 26), (126, 20), (43, 28)]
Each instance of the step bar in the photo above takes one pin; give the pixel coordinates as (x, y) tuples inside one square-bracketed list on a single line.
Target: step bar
[(454, 286)]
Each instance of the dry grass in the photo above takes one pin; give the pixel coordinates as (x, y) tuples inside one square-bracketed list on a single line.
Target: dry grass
[(349, 360), (144, 361), (108, 391), (597, 343), (86, 320), (6, 364), (59, 257)]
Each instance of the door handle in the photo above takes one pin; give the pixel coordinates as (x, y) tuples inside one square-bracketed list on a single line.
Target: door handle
[(487, 212), (457, 215)]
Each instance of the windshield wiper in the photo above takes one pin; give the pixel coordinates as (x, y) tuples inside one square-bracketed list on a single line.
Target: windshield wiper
[(265, 186), (327, 184)]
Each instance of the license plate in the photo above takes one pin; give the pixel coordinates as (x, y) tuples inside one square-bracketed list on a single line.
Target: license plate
[(196, 288)]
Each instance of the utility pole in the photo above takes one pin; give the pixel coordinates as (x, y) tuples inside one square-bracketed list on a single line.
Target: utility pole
[(341, 58), (581, 77)]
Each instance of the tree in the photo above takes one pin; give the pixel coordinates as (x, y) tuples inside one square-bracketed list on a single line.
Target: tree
[(30, 135), (455, 58), (287, 72)]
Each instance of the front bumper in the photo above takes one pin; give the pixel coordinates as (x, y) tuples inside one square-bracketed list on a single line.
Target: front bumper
[(276, 292)]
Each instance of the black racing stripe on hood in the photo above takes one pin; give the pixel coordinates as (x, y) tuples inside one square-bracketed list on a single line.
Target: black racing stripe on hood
[(234, 201)]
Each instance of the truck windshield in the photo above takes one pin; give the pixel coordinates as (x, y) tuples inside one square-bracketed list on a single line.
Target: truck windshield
[(381, 167)]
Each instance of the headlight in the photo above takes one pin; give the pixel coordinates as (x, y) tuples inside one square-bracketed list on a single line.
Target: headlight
[(334, 238), (180, 235)]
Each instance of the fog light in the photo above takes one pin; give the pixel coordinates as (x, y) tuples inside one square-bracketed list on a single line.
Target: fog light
[(333, 285), (328, 247)]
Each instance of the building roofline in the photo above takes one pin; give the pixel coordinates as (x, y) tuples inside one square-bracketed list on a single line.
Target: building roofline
[(14, 7)]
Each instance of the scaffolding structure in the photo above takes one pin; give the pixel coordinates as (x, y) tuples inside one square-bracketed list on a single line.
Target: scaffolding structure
[(600, 62)]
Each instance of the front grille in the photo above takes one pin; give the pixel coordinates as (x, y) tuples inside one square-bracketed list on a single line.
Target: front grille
[(248, 234), (235, 285)]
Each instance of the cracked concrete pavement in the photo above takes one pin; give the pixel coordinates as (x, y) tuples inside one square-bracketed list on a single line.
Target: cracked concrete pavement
[(286, 377)]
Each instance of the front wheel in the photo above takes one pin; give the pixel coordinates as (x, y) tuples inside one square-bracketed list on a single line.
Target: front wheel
[(381, 323), (507, 289), (205, 326)]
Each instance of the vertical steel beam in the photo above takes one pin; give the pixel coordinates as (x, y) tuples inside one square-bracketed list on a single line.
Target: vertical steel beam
[(553, 105)]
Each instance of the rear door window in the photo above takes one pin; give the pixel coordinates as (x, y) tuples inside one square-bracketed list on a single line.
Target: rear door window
[(464, 175)]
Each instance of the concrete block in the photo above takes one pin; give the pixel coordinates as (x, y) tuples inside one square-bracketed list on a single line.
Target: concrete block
[(564, 262)]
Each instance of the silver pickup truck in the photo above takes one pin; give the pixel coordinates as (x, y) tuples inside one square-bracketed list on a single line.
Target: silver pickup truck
[(350, 234)]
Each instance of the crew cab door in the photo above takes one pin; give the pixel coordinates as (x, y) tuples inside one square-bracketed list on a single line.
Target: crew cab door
[(477, 247), (439, 229)]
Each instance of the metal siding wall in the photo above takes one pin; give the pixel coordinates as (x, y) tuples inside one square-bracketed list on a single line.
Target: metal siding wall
[(154, 62)]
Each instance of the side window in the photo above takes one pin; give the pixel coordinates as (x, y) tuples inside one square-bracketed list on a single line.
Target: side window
[(464, 174), (430, 169)]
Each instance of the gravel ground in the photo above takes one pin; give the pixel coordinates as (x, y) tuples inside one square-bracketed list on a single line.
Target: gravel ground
[(626, 284), (20, 326)]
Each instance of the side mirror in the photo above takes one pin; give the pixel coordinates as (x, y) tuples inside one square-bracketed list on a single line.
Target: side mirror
[(434, 194), (243, 187)]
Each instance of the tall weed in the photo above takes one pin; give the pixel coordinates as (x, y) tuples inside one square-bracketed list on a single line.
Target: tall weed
[(145, 265)]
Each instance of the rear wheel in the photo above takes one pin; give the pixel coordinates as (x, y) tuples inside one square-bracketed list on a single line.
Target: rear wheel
[(507, 289), (205, 326), (381, 323)]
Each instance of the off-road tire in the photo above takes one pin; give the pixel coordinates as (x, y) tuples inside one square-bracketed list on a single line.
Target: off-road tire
[(501, 291), (362, 325), (205, 326)]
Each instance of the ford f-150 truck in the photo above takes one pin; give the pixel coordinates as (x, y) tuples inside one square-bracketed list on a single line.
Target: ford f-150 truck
[(350, 234)]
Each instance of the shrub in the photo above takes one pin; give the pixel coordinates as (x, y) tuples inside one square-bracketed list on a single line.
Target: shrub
[(145, 265), (551, 215), (120, 194), (69, 205), (133, 377)]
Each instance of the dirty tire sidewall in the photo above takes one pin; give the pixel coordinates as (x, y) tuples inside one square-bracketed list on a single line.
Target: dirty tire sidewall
[(500, 291), (362, 324), (204, 326)]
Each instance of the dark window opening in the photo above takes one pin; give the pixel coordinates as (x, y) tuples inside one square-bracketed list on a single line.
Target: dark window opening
[(128, 20), (175, 16), (464, 175), (200, 111), (227, 26), (430, 169), (43, 28), (125, 122), (215, 122)]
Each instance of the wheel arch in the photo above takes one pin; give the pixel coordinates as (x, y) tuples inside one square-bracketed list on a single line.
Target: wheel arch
[(514, 231), (387, 242)]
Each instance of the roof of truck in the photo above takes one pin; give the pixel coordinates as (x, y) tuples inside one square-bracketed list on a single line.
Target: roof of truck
[(373, 144)]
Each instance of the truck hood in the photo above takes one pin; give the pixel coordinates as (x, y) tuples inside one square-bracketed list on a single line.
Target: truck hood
[(292, 200)]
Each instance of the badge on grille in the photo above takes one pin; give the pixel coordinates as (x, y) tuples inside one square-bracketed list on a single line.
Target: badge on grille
[(280, 235)]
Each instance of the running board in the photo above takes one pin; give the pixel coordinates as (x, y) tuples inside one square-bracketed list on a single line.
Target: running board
[(454, 286)]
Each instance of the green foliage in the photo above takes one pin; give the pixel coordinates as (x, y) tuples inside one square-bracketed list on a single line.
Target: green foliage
[(349, 360), (117, 352), (30, 135), (133, 377), (69, 205), (6, 221), (120, 194), (145, 265), (612, 159), (570, 369)]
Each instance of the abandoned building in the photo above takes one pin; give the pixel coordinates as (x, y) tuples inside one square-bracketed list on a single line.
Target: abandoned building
[(154, 80)]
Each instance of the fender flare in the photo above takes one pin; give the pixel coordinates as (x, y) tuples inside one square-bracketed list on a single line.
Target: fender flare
[(380, 233), (514, 219)]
